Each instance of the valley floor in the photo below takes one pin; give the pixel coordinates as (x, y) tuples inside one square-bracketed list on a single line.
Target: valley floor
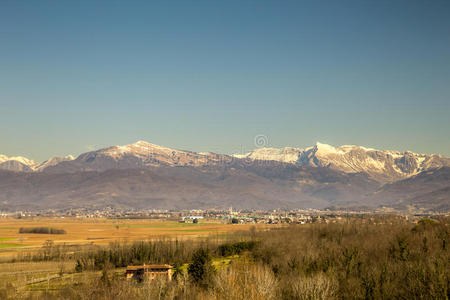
[(360, 257), (101, 231)]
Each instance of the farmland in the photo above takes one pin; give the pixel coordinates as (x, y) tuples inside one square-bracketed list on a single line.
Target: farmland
[(100, 231), (362, 257)]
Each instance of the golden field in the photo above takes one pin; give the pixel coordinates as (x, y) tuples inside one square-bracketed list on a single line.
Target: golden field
[(83, 231)]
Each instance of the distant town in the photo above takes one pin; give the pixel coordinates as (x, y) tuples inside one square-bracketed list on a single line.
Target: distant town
[(231, 216)]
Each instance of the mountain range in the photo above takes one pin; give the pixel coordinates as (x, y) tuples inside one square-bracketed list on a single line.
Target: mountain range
[(144, 175), (23, 164)]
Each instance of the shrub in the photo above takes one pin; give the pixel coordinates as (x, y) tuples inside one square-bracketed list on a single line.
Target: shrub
[(41, 230), (236, 248), (317, 287), (245, 280)]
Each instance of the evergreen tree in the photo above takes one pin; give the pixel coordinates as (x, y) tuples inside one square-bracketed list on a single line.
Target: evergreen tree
[(201, 270)]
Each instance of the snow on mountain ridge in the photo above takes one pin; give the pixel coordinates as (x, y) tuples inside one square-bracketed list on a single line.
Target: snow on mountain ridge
[(20, 163), (287, 155), (144, 154), (53, 161), (16, 163), (140, 148), (386, 165), (352, 159), (3, 158), (21, 159)]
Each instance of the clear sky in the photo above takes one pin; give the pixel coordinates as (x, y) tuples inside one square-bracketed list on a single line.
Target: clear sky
[(211, 75)]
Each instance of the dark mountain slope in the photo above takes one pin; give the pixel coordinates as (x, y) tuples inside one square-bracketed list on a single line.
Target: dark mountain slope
[(429, 190), (281, 186)]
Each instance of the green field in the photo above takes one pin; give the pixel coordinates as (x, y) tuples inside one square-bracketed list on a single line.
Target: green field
[(10, 245)]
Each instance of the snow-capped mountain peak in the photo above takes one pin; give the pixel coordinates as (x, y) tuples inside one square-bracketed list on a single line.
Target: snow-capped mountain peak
[(20, 159), (17, 163), (23, 164), (3, 158), (140, 149), (23, 160), (53, 161), (142, 154), (381, 164)]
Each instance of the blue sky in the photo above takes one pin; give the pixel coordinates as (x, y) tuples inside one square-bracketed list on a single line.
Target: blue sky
[(211, 75)]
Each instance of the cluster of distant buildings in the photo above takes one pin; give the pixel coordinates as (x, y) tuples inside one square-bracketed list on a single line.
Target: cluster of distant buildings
[(278, 216)]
